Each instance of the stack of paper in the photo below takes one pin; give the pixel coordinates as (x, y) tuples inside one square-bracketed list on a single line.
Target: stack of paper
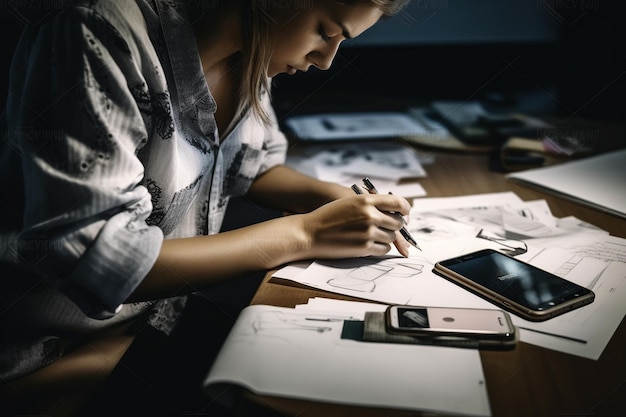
[(300, 353), (385, 162), (359, 126)]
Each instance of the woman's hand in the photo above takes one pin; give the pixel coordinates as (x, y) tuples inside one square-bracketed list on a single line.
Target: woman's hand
[(359, 225)]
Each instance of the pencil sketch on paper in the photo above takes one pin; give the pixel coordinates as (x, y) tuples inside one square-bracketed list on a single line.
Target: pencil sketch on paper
[(366, 277), (279, 326), (389, 279), (504, 221), (277, 321)]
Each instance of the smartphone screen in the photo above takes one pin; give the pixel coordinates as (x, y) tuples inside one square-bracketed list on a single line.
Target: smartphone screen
[(529, 291), (449, 320)]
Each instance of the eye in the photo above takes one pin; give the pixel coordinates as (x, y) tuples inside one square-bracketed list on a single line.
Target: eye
[(323, 34)]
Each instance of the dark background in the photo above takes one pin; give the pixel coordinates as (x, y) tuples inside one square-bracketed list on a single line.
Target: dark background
[(557, 57)]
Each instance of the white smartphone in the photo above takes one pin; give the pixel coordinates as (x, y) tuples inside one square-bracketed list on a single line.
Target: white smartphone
[(485, 325), (516, 286)]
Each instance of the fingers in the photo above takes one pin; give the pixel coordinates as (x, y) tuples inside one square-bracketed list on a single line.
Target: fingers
[(402, 245), (395, 238), (390, 203), (390, 221), (384, 235), (385, 224), (389, 210), (392, 237), (359, 225)]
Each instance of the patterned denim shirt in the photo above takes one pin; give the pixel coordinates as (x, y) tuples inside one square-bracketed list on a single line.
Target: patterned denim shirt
[(112, 147)]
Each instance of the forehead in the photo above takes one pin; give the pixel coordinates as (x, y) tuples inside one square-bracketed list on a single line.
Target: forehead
[(354, 18)]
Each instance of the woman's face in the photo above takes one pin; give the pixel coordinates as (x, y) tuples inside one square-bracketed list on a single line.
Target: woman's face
[(311, 34)]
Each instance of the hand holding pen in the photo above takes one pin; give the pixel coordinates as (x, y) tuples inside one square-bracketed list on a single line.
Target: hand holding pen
[(369, 186)]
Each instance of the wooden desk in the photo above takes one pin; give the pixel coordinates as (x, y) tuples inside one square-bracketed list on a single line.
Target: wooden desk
[(529, 381)]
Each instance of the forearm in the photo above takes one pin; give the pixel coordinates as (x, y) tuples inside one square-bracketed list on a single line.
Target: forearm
[(199, 262), (284, 188)]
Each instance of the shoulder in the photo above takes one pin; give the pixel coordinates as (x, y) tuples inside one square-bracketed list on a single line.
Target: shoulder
[(119, 20), (118, 12), (118, 28)]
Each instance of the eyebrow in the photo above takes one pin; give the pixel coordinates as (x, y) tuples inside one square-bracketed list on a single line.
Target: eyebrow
[(344, 30)]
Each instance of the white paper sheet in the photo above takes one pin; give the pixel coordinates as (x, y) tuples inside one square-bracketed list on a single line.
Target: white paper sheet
[(340, 126), (347, 163), (390, 163), (597, 262), (595, 181), (300, 354)]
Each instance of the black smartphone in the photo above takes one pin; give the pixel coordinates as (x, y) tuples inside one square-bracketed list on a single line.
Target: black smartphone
[(514, 285)]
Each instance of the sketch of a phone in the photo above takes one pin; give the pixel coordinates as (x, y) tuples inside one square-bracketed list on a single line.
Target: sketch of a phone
[(514, 285)]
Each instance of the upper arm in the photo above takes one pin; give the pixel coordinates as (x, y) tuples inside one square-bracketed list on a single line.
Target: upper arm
[(76, 128)]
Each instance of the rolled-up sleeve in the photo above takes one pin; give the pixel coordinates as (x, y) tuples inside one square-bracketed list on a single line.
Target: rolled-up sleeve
[(77, 130)]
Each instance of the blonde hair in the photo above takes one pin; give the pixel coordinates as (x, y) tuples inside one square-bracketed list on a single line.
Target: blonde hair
[(257, 50)]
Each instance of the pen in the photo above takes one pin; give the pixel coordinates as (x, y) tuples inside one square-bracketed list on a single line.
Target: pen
[(332, 318), (370, 187), (372, 190), (573, 339), (405, 233)]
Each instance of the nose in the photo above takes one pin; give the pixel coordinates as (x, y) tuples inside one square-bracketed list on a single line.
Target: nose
[(323, 58)]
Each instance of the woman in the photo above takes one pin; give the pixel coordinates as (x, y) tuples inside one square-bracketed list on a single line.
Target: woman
[(131, 125)]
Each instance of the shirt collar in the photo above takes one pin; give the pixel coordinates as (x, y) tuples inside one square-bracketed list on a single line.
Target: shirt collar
[(183, 54)]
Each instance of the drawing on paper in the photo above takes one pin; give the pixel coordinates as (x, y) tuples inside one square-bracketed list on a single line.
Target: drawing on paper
[(366, 277), (273, 321)]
